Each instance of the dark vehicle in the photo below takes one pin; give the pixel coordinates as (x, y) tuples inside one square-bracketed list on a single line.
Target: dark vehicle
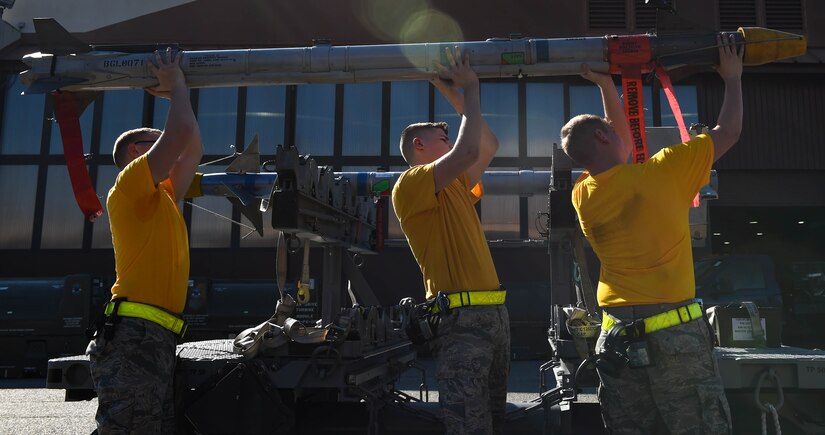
[(736, 278), (797, 287)]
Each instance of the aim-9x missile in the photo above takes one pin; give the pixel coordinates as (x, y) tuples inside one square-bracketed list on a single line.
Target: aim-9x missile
[(67, 64)]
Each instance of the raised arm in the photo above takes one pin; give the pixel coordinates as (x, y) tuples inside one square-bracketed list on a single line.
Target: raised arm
[(465, 152), (613, 108), (489, 142), (729, 124), (178, 151)]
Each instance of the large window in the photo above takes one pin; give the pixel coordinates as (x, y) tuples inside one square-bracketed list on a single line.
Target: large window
[(62, 219), (22, 120), (444, 112), (122, 110), (265, 107), (686, 96), (315, 119), (588, 99), (343, 125), (217, 118), (17, 188), (499, 105), (409, 103), (545, 117), (362, 120)]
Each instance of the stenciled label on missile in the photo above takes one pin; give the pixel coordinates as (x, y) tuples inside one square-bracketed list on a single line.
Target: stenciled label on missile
[(514, 58), (123, 63), (210, 60)]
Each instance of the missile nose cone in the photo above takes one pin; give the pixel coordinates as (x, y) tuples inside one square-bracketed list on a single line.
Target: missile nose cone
[(766, 45)]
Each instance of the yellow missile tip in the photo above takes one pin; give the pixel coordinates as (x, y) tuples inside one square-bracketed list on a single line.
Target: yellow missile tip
[(766, 45), (194, 190)]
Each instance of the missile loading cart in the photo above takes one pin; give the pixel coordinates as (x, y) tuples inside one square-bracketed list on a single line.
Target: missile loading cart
[(336, 372)]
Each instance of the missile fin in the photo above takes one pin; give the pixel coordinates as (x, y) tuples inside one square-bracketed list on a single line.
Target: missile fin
[(54, 39), (250, 210), (247, 161), (242, 195)]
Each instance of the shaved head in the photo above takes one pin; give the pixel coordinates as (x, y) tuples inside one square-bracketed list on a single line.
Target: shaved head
[(414, 130), (578, 137)]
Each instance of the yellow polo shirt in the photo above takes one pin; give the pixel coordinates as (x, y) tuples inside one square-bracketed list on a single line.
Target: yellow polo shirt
[(636, 219), (444, 232), (150, 239)]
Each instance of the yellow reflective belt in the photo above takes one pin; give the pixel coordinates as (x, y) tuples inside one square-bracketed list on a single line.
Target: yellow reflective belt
[(150, 313), (468, 298), (664, 320)]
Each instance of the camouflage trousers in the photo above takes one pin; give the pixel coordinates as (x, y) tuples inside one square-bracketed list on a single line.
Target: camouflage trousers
[(680, 393), (472, 353), (133, 376)]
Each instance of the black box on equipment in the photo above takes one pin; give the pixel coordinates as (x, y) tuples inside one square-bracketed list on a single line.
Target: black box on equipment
[(733, 325)]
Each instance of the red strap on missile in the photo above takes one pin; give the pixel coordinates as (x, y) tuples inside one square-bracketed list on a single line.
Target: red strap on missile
[(68, 119), (667, 86), (634, 110), (630, 56)]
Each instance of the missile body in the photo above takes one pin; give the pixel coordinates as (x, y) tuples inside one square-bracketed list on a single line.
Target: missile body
[(325, 63), (260, 184)]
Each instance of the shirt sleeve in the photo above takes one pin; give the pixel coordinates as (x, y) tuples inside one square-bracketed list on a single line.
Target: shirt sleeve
[(689, 163), (414, 192), (135, 180), (476, 192)]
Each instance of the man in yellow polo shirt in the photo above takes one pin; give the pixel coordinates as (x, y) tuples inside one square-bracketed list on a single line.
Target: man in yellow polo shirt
[(434, 201), (133, 353), (635, 217)]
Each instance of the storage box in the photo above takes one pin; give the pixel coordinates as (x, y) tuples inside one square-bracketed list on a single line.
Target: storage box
[(733, 325)]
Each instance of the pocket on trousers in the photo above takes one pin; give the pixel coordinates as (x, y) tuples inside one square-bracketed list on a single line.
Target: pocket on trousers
[(681, 339), (715, 410)]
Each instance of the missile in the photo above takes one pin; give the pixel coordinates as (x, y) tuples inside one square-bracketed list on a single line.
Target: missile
[(249, 187), (253, 191), (64, 63)]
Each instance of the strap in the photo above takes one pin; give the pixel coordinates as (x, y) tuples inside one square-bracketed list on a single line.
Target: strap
[(468, 298), (68, 119), (634, 110), (303, 283), (153, 314), (758, 333), (630, 56), (676, 316), (667, 86)]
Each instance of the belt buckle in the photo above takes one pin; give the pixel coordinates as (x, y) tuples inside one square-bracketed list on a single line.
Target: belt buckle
[(443, 303)]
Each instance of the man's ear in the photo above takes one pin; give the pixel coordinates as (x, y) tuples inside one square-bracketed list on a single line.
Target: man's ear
[(418, 143), (600, 135)]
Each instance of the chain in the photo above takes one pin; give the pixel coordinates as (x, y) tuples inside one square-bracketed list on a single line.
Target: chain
[(775, 416)]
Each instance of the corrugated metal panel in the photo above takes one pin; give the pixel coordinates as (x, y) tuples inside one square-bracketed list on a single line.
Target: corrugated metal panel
[(784, 15), (736, 13), (783, 125), (645, 15), (606, 15)]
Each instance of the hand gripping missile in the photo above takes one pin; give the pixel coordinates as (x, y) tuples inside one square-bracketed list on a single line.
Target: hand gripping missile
[(67, 64)]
